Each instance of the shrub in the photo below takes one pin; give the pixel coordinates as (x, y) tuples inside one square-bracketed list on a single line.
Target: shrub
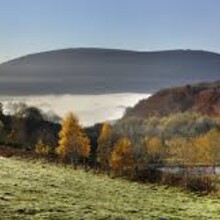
[(201, 183), (42, 148), (195, 183), (172, 179), (149, 174)]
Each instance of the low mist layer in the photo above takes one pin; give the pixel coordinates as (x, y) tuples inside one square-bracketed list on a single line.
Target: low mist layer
[(90, 108)]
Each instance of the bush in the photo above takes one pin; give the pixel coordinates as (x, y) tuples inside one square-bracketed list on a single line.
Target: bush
[(195, 183), (42, 149), (149, 174), (201, 183), (172, 179)]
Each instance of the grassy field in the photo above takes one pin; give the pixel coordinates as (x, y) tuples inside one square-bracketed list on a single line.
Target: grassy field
[(37, 190)]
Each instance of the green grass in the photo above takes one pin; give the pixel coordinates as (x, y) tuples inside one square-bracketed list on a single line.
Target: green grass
[(37, 190)]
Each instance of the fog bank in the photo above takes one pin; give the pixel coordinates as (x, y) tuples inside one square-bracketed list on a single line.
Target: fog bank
[(89, 108)]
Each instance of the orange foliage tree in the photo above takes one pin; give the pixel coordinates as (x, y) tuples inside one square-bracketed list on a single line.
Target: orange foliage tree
[(73, 143), (122, 160)]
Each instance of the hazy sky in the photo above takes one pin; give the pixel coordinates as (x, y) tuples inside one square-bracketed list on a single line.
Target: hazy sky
[(28, 26)]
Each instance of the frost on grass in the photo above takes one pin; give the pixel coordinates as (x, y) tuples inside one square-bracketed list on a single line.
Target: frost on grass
[(36, 190)]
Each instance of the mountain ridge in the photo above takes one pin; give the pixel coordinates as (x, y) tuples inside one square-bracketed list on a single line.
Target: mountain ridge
[(106, 50), (101, 70)]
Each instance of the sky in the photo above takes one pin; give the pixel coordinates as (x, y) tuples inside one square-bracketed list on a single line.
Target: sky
[(29, 26)]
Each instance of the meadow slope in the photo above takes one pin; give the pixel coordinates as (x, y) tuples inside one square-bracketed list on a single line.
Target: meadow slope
[(37, 190)]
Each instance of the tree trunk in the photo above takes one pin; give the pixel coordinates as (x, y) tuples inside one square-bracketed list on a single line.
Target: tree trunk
[(214, 170)]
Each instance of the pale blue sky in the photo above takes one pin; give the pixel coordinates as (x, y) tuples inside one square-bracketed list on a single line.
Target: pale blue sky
[(28, 26)]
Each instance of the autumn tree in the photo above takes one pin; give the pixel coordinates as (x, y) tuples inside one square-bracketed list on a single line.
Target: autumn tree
[(202, 147), (153, 146), (182, 151), (73, 143), (122, 160), (214, 138), (43, 149), (196, 151), (104, 149), (141, 158), (208, 148)]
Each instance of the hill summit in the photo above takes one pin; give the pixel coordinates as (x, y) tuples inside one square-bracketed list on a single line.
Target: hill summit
[(98, 71)]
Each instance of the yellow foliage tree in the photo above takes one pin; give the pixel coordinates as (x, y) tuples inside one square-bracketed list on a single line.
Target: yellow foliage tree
[(208, 148), (42, 148), (214, 137), (73, 143), (122, 160), (182, 151), (104, 146), (202, 147), (153, 146)]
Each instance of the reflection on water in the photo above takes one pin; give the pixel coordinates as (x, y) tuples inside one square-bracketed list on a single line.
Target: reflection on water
[(193, 170)]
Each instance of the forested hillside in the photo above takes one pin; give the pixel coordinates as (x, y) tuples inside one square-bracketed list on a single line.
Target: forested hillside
[(201, 98), (177, 127)]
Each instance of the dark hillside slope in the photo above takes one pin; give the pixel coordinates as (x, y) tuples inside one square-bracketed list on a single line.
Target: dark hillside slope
[(98, 71), (203, 98)]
